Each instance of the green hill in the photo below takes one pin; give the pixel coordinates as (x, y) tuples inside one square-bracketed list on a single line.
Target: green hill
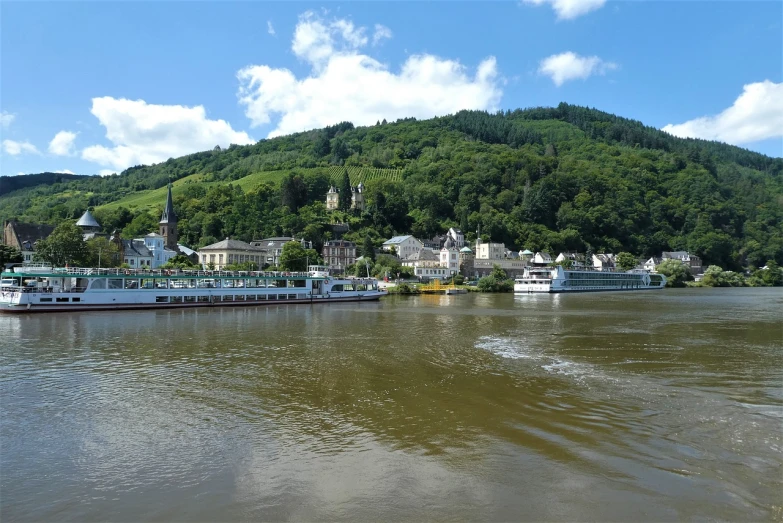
[(544, 178)]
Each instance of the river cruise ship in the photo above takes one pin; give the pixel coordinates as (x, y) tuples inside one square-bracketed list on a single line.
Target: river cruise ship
[(46, 289), (558, 279)]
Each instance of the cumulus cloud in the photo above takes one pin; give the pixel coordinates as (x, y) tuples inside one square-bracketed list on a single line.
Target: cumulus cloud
[(345, 84), (106, 172), (381, 32), (270, 28), (570, 9), (62, 143), (6, 119), (145, 133), (15, 148), (65, 171), (570, 66), (757, 114)]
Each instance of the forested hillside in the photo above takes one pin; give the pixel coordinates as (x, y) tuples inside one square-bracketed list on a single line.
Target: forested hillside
[(546, 178)]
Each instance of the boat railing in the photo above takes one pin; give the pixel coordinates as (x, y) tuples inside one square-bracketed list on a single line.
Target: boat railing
[(187, 273)]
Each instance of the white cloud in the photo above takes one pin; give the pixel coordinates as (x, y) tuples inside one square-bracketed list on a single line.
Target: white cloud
[(6, 119), (106, 172), (381, 32), (15, 148), (757, 114), (570, 9), (347, 85), (65, 171), (62, 143), (570, 66), (145, 133), (270, 28)]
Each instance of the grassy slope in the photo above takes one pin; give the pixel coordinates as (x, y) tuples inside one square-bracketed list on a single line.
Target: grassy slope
[(154, 199)]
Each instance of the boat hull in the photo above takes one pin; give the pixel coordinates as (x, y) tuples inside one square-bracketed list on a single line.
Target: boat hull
[(6, 308)]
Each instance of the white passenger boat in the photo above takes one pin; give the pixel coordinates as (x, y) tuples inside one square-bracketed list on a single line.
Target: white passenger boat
[(73, 289), (558, 279)]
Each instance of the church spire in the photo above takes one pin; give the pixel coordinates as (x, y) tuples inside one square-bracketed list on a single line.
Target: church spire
[(168, 212), (168, 223)]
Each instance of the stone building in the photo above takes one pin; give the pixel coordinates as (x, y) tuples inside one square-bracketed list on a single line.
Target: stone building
[(228, 252), (22, 236), (339, 254)]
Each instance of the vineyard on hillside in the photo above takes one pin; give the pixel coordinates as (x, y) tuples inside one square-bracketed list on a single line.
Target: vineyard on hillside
[(363, 174), (154, 199)]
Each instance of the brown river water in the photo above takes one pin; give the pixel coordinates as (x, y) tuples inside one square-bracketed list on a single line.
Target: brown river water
[(650, 406)]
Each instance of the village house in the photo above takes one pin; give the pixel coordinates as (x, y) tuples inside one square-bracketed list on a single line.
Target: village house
[(651, 264), (403, 246), (490, 251), (457, 237), (357, 198), (449, 257), (424, 258), (22, 236), (338, 254), (228, 252), (691, 261), (541, 259), (576, 260), (603, 262), (272, 248)]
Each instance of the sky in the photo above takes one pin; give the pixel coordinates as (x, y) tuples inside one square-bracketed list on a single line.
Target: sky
[(96, 87)]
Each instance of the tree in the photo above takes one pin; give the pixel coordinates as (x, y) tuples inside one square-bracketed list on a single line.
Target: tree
[(293, 257), (368, 249), (142, 224), (626, 261), (772, 275), (180, 261), (293, 192), (102, 253), (9, 254), (497, 281), (64, 246), (345, 192), (675, 271)]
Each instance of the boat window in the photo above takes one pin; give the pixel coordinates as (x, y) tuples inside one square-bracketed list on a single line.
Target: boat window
[(98, 283), (161, 299), (46, 300), (131, 284), (176, 299), (76, 299), (148, 283), (162, 284), (62, 300), (115, 283), (337, 288)]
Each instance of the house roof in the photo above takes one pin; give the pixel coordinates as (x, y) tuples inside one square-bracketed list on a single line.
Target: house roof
[(674, 254), (466, 249), (228, 244), (135, 248), (29, 232), (187, 251), (424, 254), (527, 252), (396, 240), (88, 220)]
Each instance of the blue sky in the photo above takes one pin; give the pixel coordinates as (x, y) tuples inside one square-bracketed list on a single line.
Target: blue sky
[(95, 87)]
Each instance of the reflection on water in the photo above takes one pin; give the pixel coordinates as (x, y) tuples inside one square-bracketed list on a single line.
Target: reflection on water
[(650, 406)]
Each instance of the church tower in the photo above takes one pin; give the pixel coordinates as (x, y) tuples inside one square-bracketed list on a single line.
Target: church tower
[(168, 224)]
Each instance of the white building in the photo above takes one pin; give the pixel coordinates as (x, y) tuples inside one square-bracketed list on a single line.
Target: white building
[(577, 262), (424, 258), (651, 264), (429, 273), (490, 251), (449, 256), (156, 245), (457, 236), (603, 262), (404, 246), (541, 259)]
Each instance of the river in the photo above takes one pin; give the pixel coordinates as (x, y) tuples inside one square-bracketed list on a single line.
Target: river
[(650, 406)]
